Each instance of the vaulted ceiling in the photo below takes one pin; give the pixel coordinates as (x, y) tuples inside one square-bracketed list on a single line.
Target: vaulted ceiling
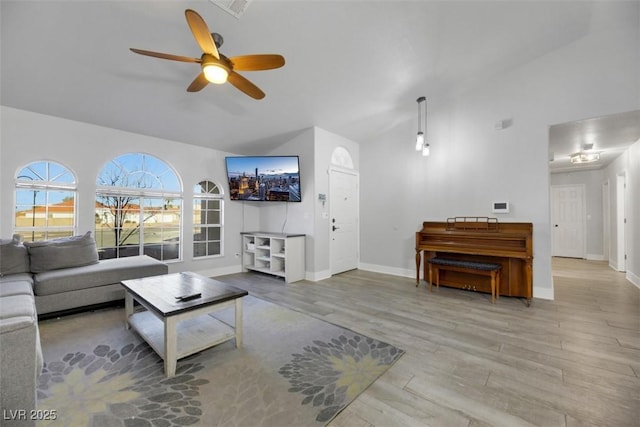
[(354, 68)]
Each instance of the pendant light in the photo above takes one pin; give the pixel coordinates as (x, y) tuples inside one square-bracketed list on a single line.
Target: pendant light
[(421, 140)]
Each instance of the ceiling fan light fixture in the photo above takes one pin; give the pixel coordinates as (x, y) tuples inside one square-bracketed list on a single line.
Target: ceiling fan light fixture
[(215, 73), (215, 67)]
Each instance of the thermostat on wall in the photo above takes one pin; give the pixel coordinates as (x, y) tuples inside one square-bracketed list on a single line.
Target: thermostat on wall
[(500, 207)]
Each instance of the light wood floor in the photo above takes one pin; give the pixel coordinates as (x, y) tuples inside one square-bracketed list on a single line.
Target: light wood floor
[(574, 361)]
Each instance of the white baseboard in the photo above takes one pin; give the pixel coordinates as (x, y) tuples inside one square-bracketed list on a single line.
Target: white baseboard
[(384, 269), (543, 293), (317, 275), (633, 278), (593, 257)]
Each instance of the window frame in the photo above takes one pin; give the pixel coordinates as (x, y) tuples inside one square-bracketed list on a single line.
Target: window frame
[(205, 196), (38, 177), (146, 198)]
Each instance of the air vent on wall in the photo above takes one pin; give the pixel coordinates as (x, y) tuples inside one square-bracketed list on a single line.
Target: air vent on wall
[(232, 7)]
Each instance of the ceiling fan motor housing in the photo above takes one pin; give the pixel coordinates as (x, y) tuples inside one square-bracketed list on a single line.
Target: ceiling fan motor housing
[(217, 39)]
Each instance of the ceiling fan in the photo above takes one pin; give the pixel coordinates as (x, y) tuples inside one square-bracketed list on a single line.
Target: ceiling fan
[(217, 68)]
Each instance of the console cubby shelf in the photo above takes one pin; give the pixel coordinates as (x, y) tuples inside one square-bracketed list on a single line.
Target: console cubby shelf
[(280, 254)]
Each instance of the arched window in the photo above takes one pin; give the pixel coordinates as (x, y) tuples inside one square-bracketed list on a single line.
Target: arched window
[(45, 201), (138, 208), (207, 219)]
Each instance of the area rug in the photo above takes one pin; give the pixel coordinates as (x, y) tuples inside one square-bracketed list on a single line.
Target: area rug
[(293, 370)]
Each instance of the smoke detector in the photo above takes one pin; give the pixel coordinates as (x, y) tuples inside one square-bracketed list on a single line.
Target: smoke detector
[(232, 7)]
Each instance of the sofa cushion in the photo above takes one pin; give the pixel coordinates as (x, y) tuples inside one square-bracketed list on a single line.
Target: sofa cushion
[(106, 272), (14, 258), (16, 306), (60, 253), (22, 277), (16, 288)]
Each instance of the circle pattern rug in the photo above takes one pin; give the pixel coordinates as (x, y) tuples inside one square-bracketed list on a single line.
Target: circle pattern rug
[(293, 369)]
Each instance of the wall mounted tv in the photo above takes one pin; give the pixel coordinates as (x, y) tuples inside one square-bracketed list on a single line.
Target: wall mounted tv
[(264, 178)]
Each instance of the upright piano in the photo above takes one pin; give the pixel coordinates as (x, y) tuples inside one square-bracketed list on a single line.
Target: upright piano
[(482, 240)]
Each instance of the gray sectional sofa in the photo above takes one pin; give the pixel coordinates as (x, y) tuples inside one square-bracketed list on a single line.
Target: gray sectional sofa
[(49, 277)]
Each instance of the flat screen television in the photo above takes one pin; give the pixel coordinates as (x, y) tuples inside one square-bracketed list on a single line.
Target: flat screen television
[(264, 178)]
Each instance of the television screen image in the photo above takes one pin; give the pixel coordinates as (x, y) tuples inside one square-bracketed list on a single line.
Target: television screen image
[(264, 178)]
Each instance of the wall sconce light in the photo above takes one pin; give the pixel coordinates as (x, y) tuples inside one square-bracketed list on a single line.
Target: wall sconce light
[(421, 140)]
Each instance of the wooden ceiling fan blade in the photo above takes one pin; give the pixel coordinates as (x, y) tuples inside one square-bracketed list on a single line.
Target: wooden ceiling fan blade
[(257, 62), (198, 83), (201, 33), (165, 55), (245, 85)]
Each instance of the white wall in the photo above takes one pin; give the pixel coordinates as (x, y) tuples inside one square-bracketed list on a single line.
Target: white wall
[(295, 217), (84, 149), (325, 144), (314, 146), (472, 164), (592, 181), (628, 164)]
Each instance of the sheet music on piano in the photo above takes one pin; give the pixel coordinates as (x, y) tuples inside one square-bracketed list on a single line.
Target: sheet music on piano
[(472, 223)]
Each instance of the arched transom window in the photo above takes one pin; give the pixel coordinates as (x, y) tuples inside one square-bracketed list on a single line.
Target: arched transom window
[(45, 201), (138, 208)]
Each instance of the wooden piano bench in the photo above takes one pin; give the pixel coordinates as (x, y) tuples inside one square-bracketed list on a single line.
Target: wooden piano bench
[(481, 268)]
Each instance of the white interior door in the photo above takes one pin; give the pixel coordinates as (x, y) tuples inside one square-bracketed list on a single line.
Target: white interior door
[(343, 205), (567, 221)]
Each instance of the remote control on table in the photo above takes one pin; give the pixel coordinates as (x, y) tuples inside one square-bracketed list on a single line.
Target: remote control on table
[(189, 297)]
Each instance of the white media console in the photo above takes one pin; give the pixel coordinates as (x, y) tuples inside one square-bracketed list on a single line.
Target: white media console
[(280, 254)]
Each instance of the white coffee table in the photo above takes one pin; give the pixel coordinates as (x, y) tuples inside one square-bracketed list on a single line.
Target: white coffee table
[(176, 328)]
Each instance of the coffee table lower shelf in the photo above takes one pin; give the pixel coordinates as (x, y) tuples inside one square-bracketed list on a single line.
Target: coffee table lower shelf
[(176, 329), (193, 335)]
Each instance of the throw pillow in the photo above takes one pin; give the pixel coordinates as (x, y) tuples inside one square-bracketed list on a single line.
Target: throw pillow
[(14, 258), (64, 252)]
